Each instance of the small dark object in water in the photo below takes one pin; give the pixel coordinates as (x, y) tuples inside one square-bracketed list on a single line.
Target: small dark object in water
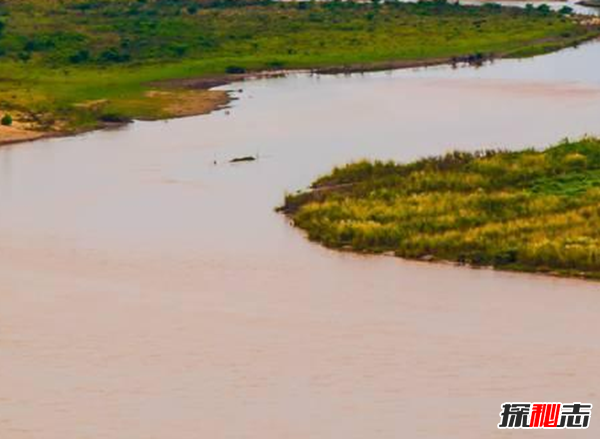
[(243, 159), (475, 59)]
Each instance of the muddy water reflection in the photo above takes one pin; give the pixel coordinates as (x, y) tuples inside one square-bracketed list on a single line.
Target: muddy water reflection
[(147, 293)]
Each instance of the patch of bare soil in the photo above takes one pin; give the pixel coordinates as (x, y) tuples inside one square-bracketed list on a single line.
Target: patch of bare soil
[(190, 102), (18, 132)]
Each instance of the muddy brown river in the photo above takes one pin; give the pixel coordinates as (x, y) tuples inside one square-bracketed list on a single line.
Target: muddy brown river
[(147, 293)]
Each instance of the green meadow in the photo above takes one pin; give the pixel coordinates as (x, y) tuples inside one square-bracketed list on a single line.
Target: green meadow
[(71, 64), (532, 210)]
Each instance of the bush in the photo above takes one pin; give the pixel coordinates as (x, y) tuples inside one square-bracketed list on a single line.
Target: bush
[(234, 70), (113, 55), (544, 9), (7, 120), (80, 57), (566, 10)]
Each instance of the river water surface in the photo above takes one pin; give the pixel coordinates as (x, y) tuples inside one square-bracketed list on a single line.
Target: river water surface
[(147, 293)]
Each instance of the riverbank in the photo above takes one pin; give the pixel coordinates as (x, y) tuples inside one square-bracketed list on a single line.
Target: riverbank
[(80, 71), (173, 103), (523, 211), (590, 3), (10, 135)]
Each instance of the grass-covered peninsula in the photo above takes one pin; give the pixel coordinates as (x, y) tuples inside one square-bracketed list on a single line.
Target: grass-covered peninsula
[(71, 65), (527, 211)]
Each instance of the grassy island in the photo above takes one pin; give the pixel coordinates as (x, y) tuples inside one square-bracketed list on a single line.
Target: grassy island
[(528, 211), (72, 65)]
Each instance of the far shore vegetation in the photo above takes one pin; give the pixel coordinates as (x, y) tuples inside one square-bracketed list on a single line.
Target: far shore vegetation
[(535, 211), (73, 65)]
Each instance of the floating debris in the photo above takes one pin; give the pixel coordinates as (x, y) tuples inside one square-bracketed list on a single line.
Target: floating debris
[(243, 159)]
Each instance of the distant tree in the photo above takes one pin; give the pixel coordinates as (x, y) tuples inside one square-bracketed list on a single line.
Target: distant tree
[(544, 9), (493, 6), (566, 10), (112, 55), (80, 57), (24, 56), (179, 49)]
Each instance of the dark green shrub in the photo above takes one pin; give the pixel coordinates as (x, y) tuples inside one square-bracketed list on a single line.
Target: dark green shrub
[(7, 120), (544, 9), (566, 10), (80, 57), (113, 55), (235, 70)]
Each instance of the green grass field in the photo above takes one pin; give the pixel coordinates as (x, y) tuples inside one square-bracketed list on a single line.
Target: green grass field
[(529, 210), (65, 65)]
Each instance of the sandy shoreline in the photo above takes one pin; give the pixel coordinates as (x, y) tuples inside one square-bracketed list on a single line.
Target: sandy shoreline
[(176, 104), (9, 135)]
